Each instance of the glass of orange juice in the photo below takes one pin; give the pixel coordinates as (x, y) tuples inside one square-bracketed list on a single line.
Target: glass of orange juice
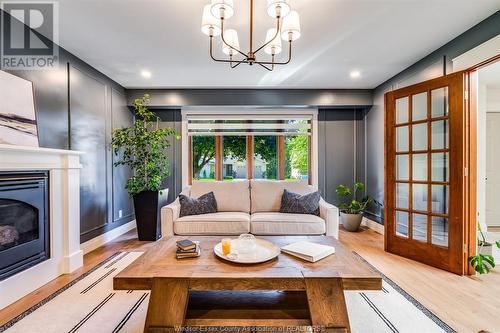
[(226, 246)]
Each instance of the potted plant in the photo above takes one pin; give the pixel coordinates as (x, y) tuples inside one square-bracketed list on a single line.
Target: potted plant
[(142, 147), (351, 212), (484, 261)]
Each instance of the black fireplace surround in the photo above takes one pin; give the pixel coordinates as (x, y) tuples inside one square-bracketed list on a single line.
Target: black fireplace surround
[(24, 220)]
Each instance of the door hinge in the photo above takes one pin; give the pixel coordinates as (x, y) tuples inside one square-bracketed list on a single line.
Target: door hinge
[(466, 172), (466, 95), (465, 248)]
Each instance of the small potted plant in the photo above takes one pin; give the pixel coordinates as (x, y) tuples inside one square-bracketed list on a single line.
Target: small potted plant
[(484, 261), (351, 213), (143, 147)]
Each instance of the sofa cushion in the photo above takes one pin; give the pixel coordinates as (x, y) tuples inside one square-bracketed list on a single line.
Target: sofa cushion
[(223, 223), (295, 203), (286, 224), (231, 196), (266, 194), (194, 206)]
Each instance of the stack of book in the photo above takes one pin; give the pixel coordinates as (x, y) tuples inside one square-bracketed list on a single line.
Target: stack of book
[(187, 249)]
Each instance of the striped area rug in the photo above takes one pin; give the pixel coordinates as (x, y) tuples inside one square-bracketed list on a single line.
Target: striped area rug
[(89, 304)]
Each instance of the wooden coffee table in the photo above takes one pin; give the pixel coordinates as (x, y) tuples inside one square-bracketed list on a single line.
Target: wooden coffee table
[(283, 292)]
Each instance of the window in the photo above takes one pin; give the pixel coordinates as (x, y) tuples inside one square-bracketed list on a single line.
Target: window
[(235, 146), (203, 157), (297, 157), (234, 157), (265, 157)]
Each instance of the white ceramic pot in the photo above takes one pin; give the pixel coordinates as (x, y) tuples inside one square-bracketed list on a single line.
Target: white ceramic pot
[(351, 222), (492, 250)]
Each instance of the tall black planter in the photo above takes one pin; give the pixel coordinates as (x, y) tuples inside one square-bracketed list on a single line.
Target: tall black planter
[(147, 205)]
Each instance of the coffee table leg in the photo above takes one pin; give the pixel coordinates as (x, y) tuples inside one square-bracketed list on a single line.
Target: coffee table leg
[(327, 306), (167, 305)]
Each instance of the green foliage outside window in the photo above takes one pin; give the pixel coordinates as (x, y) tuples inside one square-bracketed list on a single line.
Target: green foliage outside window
[(297, 155), (266, 148), (203, 152)]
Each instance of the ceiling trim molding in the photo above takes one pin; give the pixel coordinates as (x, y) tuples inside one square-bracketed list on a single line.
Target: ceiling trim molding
[(290, 98)]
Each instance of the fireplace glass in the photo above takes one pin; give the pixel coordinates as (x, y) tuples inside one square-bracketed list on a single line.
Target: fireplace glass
[(18, 223), (24, 220)]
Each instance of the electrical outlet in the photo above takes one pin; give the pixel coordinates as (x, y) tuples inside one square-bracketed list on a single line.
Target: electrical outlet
[(120, 214)]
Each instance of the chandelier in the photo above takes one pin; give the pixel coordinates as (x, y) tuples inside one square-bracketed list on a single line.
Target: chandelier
[(287, 27)]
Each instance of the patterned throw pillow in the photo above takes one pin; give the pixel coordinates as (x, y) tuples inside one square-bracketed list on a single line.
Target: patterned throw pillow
[(203, 205), (300, 204)]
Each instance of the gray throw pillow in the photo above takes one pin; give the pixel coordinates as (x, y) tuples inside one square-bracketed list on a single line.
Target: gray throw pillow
[(300, 204), (203, 205)]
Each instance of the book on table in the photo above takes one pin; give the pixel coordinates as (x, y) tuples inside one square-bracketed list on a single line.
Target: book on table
[(190, 252), (308, 251), (186, 245)]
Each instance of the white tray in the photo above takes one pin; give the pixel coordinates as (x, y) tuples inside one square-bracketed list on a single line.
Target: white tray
[(264, 251)]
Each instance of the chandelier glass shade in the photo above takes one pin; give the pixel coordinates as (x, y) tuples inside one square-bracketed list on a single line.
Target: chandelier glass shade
[(287, 28)]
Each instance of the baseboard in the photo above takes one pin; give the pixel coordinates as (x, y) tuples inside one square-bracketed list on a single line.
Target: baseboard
[(377, 227), (107, 237)]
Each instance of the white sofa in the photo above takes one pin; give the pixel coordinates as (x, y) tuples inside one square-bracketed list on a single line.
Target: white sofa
[(249, 207)]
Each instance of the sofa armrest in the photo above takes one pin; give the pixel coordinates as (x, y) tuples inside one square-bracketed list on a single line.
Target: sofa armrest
[(169, 214), (330, 214)]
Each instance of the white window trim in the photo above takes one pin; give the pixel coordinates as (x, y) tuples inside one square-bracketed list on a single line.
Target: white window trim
[(261, 112)]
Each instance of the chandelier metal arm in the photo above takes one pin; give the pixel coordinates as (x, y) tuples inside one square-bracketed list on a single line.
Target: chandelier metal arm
[(219, 60), (237, 62), (224, 41), (279, 63), (269, 69), (275, 35)]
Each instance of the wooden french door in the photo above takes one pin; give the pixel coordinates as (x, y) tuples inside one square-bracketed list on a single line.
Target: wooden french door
[(424, 172)]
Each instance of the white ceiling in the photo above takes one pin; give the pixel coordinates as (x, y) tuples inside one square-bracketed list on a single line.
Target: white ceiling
[(377, 37)]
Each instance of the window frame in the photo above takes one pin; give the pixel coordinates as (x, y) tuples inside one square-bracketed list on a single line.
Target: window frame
[(187, 177)]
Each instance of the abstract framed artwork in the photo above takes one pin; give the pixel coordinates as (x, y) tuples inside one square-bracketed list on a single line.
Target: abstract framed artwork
[(18, 124)]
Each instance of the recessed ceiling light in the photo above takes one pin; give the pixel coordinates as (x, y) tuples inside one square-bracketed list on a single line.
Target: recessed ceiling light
[(145, 74), (355, 74)]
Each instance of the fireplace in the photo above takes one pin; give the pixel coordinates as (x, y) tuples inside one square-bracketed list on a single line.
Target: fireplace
[(24, 220)]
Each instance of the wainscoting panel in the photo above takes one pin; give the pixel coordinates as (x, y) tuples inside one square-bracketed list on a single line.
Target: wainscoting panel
[(88, 133), (172, 118), (123, 208), (341, 144)]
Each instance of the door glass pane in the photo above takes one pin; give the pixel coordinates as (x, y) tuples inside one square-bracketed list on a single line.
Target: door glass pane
[(203, 157), (419, 167), (402, 138), (402, 110), (402, 195), (440, 199), (439, 102), (440, 167), (402, 167), (234, 162), (440, 134), (419, 106), (419, 137), (419, 229), (440, 231), (419, 197), (402, 224), (265, 157)]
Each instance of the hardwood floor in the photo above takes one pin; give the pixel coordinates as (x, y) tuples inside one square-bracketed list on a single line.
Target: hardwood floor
[(468, 304)]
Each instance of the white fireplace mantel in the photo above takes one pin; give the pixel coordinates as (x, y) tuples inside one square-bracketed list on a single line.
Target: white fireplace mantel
[(64, 216)]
